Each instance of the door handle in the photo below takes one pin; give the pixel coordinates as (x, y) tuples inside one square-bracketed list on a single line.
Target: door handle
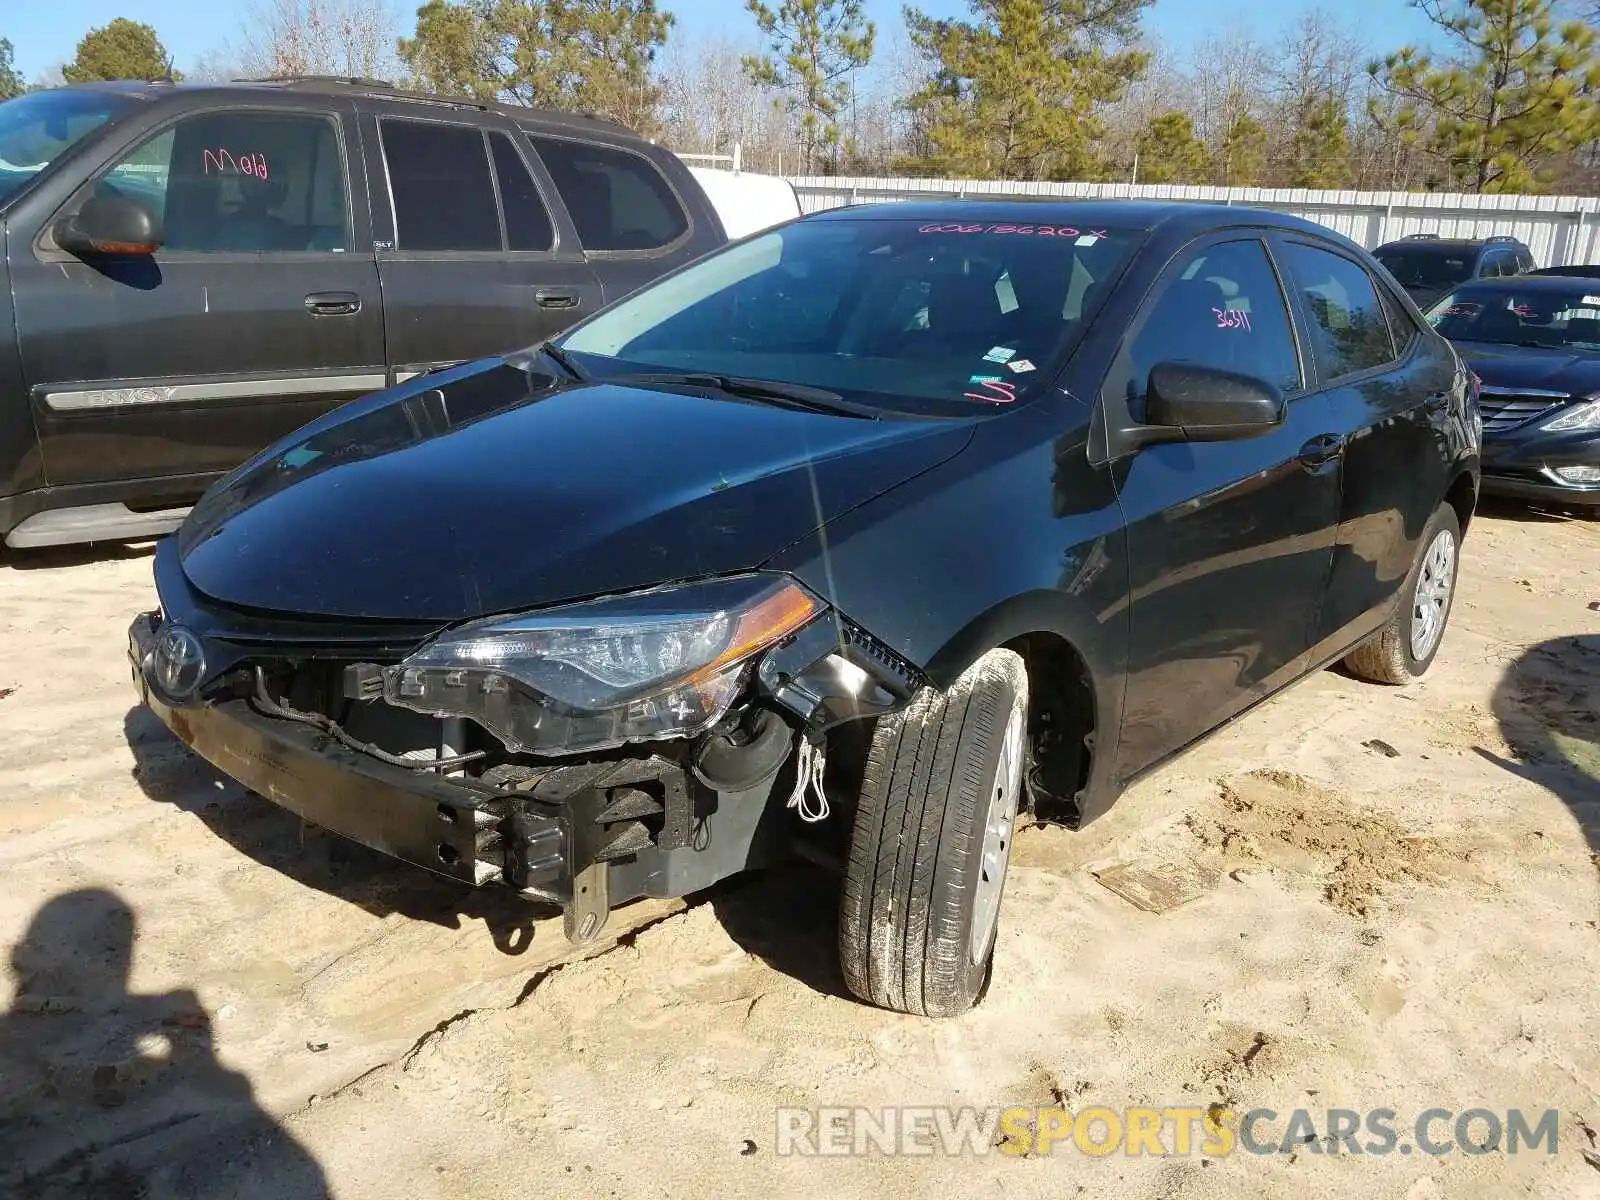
[(556, 298), (1321, 450), (333, 304), (1436, 402)]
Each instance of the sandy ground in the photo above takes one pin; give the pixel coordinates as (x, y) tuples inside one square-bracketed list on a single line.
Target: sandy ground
[(199, 999)]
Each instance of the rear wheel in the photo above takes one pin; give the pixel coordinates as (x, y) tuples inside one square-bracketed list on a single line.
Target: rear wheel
[(1404, 648), (932, 841)]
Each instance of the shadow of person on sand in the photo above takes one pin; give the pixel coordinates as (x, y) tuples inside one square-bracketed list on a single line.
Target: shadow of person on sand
[(169, 773), (1548, 707), (120, 1096)]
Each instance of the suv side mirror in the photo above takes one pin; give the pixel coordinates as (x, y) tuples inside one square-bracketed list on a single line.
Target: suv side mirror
[(1208, 404), (109, 225)]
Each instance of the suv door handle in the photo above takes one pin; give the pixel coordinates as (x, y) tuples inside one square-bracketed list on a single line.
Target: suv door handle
[(556, 298), (333, 304), (1436, 402), (1321, 450)]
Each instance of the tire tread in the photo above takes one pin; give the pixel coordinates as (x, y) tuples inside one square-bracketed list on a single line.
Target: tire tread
[(900, 916)]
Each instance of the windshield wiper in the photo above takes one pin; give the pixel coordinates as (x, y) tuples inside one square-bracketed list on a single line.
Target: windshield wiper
[(562, 359), (788, 395)]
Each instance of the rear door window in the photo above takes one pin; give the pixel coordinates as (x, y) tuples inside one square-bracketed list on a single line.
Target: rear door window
[(1349, 331), (1223, 308), (241, 182), (441, 186), (619, 200), (527, 221)]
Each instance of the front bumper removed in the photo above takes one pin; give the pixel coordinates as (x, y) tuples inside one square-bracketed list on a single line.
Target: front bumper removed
[(585, 836)]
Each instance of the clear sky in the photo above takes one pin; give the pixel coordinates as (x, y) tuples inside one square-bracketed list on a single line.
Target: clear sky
[(44, 33)]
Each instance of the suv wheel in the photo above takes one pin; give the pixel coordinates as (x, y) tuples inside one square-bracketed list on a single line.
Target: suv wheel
[(932, 840), (1403, 649)]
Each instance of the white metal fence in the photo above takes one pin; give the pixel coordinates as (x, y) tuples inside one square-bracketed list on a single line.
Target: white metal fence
[(1558, 229)]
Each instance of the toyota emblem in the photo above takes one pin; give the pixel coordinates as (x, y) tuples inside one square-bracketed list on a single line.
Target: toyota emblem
[(179, 661)]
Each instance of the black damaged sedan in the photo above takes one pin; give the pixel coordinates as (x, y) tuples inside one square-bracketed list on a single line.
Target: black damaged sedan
[(862, 538)]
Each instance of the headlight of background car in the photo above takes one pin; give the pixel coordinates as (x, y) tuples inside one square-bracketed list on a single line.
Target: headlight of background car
[(662, 663), (1579, 416)]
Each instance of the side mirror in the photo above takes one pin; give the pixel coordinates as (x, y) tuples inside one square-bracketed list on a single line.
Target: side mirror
[(109, 225), (1208, 404)]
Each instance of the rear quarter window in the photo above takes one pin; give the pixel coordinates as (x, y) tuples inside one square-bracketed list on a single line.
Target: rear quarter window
[(1349, 330), (1402, 329), (619, 200)]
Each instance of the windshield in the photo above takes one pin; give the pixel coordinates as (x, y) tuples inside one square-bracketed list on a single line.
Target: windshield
[(934, 318), (1558, 317), (1436, 266), (40, 127)]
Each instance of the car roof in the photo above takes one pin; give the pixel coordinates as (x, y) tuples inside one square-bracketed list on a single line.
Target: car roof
[(328, 85), (1145, 215), (1432, 243)]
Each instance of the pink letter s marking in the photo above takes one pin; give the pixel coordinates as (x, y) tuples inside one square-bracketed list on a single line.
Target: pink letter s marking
[(1002, 392)]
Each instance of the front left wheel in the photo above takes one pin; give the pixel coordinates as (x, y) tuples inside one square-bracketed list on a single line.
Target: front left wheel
[(932, 841)]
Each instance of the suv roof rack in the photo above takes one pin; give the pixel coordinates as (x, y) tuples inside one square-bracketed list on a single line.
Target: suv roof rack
[(381, 86), (1500, 237), (348, 80), (1420, 237)]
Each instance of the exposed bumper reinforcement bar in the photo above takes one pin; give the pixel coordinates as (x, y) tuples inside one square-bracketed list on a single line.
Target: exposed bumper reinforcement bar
[(417, 818), (586, 835)]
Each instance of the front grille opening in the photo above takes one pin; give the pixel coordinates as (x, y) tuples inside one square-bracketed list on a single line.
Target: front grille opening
[(1508, 410), (318, 687)]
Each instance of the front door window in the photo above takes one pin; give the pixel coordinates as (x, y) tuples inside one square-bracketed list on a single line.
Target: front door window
[(241, 182)]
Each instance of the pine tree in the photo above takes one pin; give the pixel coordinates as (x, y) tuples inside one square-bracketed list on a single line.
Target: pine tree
[(1518, 90), (815, 45), (1242, 151), (1169, 152), (1320, 145), (123, 49), (590, 55), (1015, 92)]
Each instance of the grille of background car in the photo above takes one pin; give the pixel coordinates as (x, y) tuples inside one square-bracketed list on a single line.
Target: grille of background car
[(1506, 408)]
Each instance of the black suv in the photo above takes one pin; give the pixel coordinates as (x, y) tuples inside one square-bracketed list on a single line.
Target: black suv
[(1427, 265), (189, 272), (859, 534)]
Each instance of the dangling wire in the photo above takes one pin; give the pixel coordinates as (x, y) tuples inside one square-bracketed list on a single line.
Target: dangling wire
[(808, 799)]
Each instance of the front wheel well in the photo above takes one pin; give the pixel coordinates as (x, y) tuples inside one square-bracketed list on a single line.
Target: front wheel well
[(1061, 725)]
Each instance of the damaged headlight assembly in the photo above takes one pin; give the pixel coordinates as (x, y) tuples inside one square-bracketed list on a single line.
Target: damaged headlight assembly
[(662, 663)]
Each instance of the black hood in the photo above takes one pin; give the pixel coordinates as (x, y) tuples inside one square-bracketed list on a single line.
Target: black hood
[(1553, 370), (490, 488)]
